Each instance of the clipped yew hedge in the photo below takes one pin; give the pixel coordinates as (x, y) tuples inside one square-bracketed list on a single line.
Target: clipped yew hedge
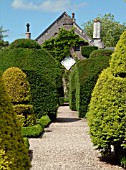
[(13, 151), (86, 50), (42, 72), (107, 109), (86, 77), (101, 52)]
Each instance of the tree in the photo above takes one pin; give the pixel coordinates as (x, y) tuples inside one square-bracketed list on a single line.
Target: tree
[(2, 36), (60, 46), (111, 29)]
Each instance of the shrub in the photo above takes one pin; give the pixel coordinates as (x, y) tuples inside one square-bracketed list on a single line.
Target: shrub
[(26, 142), (86, 50), (32, 131), (87, 72), (44, 120), (72, 89), (13, 152), (18, 89), (107, 109), (100, 52), (25, 43), (43, 75)]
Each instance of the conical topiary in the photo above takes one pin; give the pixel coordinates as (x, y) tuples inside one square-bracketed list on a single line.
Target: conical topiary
[(19, 90), (13, 152), (107, 109)]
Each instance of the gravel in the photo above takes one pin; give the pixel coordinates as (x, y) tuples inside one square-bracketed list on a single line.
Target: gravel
[(66, 145)]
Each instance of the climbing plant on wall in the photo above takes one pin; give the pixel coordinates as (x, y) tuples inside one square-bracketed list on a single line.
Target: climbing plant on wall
[(60, 45)]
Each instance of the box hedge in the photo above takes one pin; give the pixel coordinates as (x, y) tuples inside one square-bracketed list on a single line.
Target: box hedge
[(86, 50), (13, 151), (107, 109), (43, 75), (86, 77), (18, 89), (36, 130)]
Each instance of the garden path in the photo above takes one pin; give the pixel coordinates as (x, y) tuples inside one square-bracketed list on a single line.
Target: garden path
[(66, 145)]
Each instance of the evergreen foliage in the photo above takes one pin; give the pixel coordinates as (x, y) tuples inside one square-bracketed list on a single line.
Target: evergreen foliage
[(100, 52), (18, 89), (25, 43), (13, 152), (86, 50), (86, 76), (107, 109), (60, 45), (43, 74)]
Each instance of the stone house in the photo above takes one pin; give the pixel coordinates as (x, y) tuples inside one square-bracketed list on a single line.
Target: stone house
[(67, 22)]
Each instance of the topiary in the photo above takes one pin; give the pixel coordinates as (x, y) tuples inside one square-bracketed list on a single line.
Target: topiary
[(86, 50), (13, 152), (107, 109), (101, 53), (85, 75), (19, 90), (25, 43), (43, 73)]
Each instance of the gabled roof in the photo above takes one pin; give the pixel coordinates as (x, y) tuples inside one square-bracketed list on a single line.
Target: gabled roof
[(78, 29), (64, 13)]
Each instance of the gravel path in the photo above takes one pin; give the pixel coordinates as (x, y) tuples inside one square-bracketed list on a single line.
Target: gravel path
[(66, 145)]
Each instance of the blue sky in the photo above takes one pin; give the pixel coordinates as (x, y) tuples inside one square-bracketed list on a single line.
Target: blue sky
[(15, 14)]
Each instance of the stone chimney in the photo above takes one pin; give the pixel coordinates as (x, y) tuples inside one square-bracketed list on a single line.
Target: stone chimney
[(97, 34), (73, 17), (28, 34), (97, 29)]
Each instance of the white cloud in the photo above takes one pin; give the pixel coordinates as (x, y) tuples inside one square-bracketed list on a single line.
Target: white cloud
[(46, 5)]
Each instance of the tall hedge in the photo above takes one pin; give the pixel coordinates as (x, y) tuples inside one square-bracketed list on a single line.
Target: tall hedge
[(13, 152), (107, 110), (42, 72), (86, 77), (18, 89)]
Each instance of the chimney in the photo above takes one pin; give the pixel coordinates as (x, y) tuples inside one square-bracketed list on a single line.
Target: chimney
[(97, 29), (73, 17), (28, 34)]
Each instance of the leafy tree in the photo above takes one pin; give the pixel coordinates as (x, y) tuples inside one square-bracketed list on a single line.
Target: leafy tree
[(60, 45), (2, 36), (111, 29)]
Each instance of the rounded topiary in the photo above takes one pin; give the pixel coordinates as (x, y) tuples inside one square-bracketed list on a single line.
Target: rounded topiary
[(101, 53), (25, 43), (43, 73), (13, 151), (86, 50), (107, 109), (18, 89), (17, 85)]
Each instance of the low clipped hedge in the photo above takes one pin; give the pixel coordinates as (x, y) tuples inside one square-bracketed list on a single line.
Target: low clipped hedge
[(86, 50), (25, 43), (100, 52), (26, 142), (44, 121), (43, 75), (32, 131), (86, 76), (36, 130)]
